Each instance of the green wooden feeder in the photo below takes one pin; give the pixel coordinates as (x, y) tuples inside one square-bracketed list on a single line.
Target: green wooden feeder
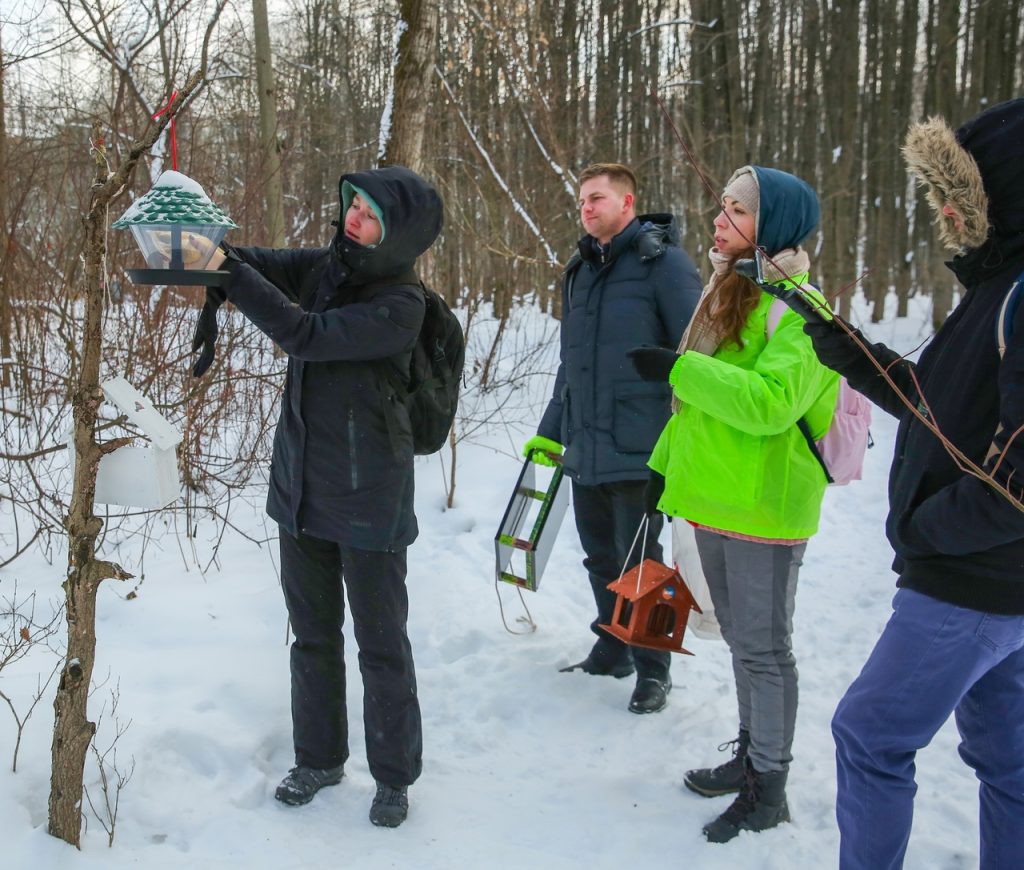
[(177, 227), (530, 526)]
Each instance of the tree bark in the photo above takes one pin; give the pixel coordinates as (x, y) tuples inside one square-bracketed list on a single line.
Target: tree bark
[(270, 155), (72, 729), (413, 85), (5, 304)]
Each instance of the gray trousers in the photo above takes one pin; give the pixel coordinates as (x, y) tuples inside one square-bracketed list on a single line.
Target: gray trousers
[(753, 588)]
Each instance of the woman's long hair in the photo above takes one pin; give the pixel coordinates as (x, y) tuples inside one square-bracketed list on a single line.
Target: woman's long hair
[(735, 297)]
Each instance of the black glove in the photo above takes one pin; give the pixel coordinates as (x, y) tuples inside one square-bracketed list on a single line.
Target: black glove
[(206, 331), (652, 363), (653, 492), (833, 346)]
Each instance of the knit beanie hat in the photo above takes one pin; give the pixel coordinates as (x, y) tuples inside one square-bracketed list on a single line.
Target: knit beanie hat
[(348, 192), (743, 188), (785, 207)]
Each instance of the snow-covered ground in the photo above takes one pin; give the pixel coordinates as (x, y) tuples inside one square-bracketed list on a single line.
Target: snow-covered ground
[(524, 767)]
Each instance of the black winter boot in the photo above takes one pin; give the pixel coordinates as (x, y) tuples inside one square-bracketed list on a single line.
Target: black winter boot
[(726, 778), (761, 805), (390, 805), (591, 665), (303, 782)]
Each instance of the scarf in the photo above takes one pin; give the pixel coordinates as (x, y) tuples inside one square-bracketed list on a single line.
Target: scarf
[(704, 334)]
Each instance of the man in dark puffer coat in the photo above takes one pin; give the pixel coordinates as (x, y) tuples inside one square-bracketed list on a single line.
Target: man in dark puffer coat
[(630, 284), (341, 480), (955, 642)]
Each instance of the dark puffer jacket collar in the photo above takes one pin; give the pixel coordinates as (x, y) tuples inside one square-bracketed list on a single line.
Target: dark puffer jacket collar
[(650, 234)]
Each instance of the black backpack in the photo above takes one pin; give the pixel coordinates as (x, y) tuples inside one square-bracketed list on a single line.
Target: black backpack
[(435, 369), (435, 373)]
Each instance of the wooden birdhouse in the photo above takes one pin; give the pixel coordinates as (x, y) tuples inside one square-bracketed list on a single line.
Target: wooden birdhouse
[(652, 606), (177, 227)]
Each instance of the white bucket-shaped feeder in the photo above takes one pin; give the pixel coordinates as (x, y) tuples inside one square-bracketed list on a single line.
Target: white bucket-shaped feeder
[(141, 476)]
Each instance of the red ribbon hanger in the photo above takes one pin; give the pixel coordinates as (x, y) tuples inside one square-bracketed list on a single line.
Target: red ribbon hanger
[(174, 138)]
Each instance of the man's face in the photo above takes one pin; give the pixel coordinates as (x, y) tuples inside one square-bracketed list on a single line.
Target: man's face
[(361, 223), (605, 208)]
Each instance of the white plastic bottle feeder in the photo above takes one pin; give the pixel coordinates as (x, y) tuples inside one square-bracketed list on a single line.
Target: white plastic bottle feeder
[(177, 227), (141, 476)]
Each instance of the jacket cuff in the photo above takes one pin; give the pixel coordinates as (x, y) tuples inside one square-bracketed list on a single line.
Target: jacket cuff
[(675, 375)]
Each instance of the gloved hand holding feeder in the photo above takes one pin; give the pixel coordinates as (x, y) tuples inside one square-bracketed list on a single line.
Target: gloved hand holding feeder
[(543, 451), (653, 492)]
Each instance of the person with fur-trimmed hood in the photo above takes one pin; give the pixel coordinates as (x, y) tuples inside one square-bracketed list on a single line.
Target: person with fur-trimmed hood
[(955, 641)]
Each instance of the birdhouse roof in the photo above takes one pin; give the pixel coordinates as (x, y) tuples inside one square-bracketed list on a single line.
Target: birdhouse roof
[(174, 199), (652, 576), (140, 411)]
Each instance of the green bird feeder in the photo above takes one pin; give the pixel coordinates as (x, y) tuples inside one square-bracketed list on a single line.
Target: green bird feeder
[(530, 526), (177, 227)]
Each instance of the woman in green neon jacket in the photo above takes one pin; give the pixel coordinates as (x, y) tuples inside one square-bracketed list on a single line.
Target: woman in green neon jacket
[(733, 462)]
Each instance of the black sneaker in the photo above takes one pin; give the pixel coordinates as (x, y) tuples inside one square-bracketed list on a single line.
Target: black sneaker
[(761, 805), (727, 778), (303, 782), (650, 695), (619, 669), (390, 805)]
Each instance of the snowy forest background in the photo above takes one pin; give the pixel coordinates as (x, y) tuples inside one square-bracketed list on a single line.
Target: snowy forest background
[(498, 103)]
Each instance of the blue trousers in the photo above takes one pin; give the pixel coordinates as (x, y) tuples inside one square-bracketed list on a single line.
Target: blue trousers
[(931, 660)]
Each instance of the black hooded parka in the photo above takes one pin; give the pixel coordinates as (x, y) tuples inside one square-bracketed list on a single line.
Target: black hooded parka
[(338, 472), (956, 538)]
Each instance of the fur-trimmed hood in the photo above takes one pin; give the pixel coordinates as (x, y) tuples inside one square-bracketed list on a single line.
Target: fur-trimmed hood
[(977, 169)]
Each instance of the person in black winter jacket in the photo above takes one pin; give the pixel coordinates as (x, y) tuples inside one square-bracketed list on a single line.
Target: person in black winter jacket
[(955, 641), (629, 284), (341, 478)]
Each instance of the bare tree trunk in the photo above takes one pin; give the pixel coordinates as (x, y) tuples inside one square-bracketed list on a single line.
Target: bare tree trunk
[(72, 729), (839, 156), (413, 86), (271, 158), (5, 304)]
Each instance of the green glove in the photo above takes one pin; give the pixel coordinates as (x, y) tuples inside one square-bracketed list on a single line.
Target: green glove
[(538, 448)]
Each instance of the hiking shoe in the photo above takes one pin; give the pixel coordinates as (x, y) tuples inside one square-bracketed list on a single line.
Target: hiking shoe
[(727, 778), (650, 695), (620, 669), (303, 782), (390, 805), (761, 804)]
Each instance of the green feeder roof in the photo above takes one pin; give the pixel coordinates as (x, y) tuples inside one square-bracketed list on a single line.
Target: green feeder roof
[(174, 199)]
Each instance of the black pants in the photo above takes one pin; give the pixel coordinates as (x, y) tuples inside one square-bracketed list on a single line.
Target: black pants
[(311, 573), (607, 518)]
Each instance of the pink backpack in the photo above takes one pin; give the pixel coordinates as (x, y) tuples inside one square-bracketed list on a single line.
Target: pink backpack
[(841, 449)]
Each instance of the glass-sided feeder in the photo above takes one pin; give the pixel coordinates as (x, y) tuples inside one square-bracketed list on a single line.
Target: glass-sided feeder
[(530, 526), (177, 227)]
